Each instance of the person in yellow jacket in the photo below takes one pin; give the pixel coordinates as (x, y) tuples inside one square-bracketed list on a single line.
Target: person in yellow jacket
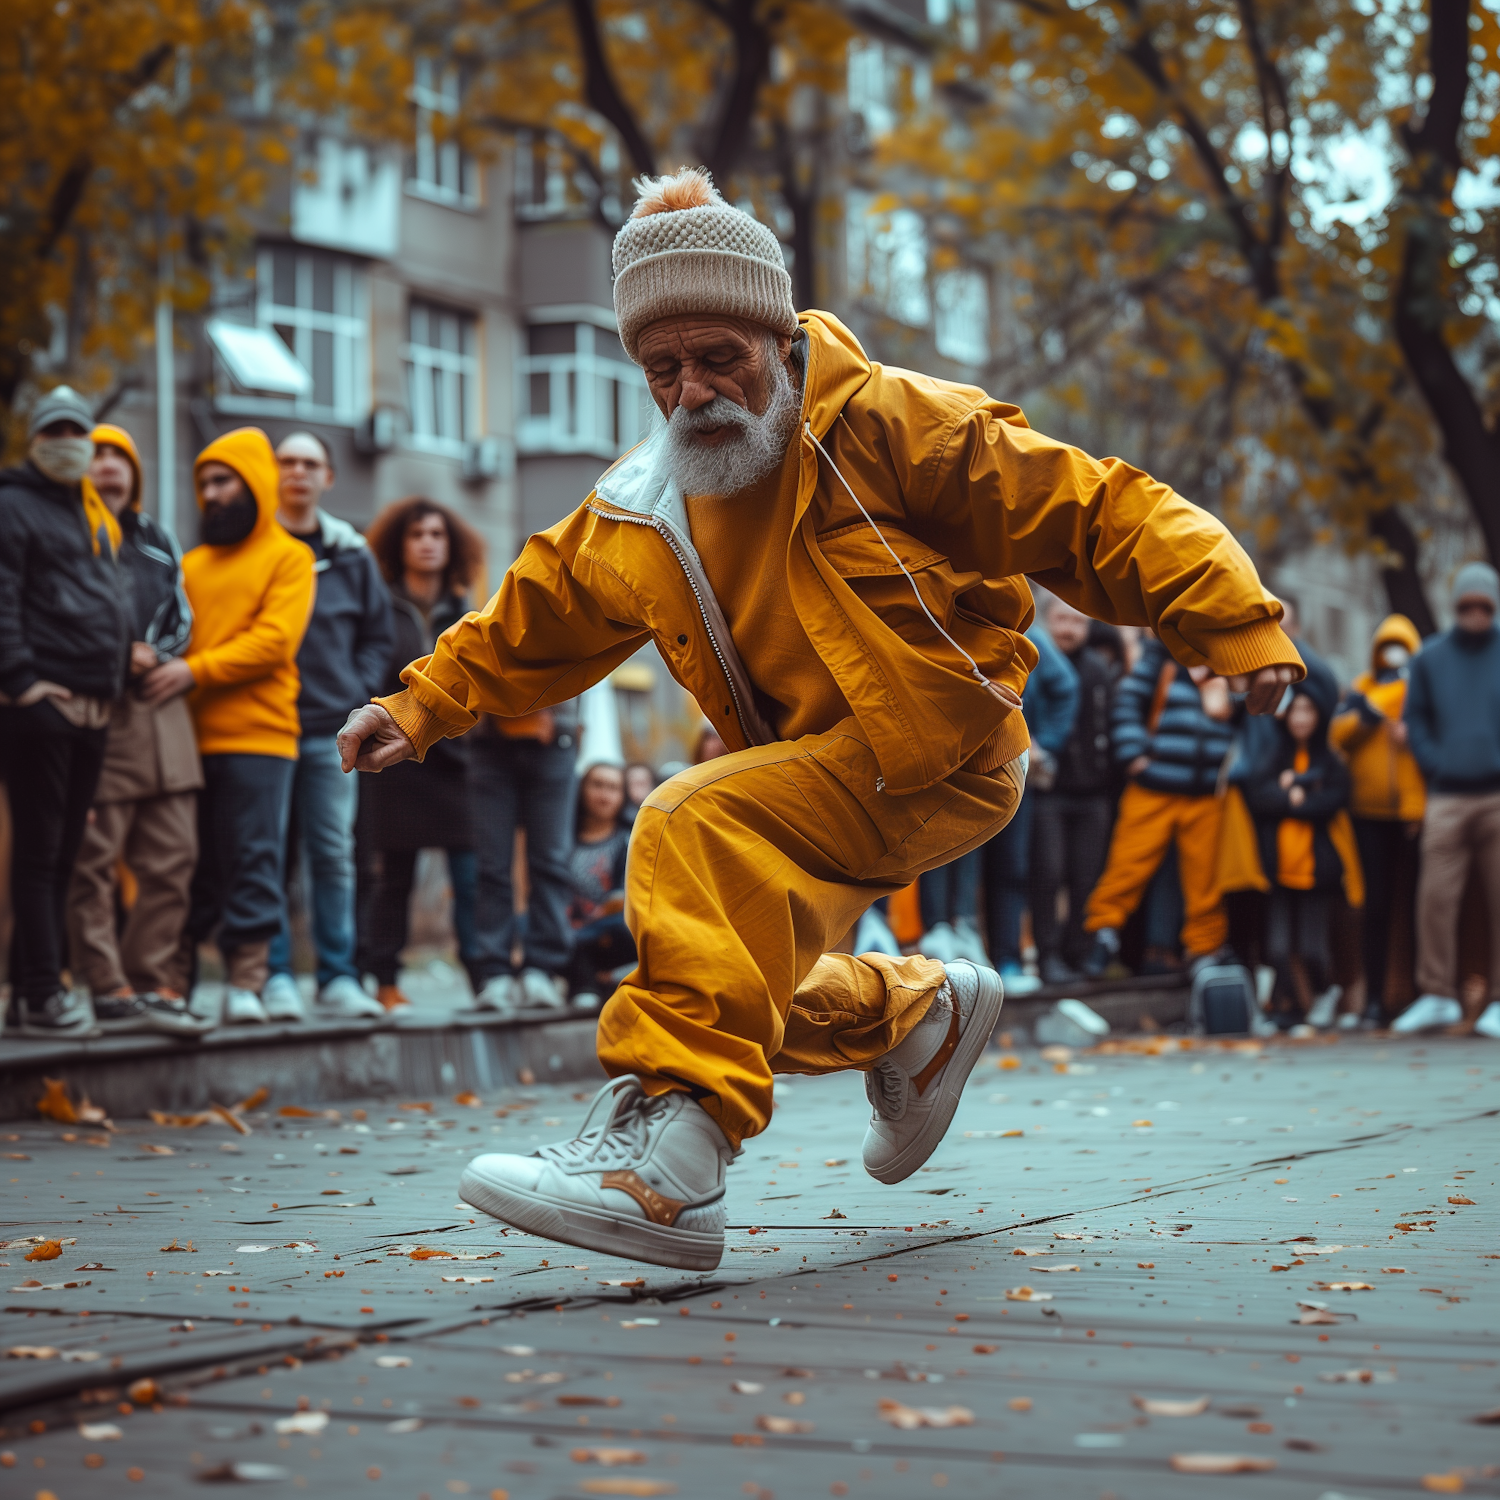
[(1387, 798), (829, 555), (250, 586)]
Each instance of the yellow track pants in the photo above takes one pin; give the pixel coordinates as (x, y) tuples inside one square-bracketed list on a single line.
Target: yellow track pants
[(1144, 830), (742, 872)]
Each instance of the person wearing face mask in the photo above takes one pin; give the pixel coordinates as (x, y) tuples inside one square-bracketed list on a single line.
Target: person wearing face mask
[(251, 587), (1387, 794), (145, 807), (63, 642), (1452, 718)]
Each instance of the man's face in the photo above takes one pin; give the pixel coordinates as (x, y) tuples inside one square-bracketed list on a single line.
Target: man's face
[(305, 471), (1068, 628), (112, 475), (690, 360), (218, 484), (1474, 613)]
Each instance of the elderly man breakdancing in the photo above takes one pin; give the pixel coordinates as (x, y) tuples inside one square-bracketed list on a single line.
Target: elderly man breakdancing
[(829, 554)]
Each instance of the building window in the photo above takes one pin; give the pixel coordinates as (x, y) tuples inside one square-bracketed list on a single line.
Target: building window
[(580, 392), (442, 377), (440, 170), (315, 303), (961, 328), (887, 258)]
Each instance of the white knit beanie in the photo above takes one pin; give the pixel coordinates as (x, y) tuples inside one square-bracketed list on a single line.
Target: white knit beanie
[(685, 250)]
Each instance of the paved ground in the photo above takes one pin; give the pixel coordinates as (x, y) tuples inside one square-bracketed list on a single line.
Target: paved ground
[(1177, 1217)]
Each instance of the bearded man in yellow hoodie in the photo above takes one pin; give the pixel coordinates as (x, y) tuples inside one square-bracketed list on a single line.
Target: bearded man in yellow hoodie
[(250, 586), (830, 555)]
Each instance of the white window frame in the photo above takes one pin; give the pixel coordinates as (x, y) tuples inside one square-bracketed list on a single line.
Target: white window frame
[(582, 399), (456, 364), (435, 94), (351, 339)]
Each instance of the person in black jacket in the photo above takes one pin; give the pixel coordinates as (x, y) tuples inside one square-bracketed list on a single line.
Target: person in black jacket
[(63, 640), (343, 659), (1293, 795), (1072, 818), (429, 558)]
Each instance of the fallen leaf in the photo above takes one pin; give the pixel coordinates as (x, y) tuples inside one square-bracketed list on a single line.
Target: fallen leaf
[(782, 1426), (1220, 1463), (469, 1280), (1466, 1202), (1019, 1403), (47, 1250), (909, 1418), (621, 1484), (609, 1457), (1317, 1316), (1166, 1408), (255, 1101), (469, 1098), (186, 1249), (1358, 1377), (423, 1253), (1145, 1265), (392, 1361), (309, 1422), (156, 1150), (183, 1122), (404, 1425), (1393, 1270), (835, 1215), (837, 1161), (55, 1104), (588, 1400), (985, 1348), (1444, 1484), (1346, 1286), (231, 1119), (1489, 1418), (1145, 1124), (424, 1106), (31, 1351), (1032, 1250), (638, 1281), (143, 1391), (1025, 1294), (99, 1432), (1053, 1270), (746, 1387), (34, 1285)]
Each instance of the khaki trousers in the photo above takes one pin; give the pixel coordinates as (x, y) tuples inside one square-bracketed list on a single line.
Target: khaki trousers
[(742, 873), (1459, 828), (1145, 826), (157, 837)]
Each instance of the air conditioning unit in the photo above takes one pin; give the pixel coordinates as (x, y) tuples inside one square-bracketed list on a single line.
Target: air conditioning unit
[(482, 460), (376, 434)]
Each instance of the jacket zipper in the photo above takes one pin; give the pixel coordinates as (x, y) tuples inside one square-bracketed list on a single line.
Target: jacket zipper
[(687, 573)]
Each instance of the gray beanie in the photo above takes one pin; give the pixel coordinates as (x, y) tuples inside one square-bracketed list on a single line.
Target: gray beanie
[(1477, 580), (61, 404), (685, 250)]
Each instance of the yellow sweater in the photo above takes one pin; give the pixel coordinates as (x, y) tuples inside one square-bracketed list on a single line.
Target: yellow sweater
[(251, 603)]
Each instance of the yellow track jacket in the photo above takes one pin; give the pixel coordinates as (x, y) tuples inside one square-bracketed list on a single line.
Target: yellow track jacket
[(965, 492), (251, 604)]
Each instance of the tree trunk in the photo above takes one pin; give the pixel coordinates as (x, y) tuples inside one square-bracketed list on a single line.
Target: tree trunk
[(1403, 584), (601, 91)]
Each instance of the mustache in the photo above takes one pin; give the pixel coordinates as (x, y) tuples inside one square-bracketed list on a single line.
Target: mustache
[(720, 412)]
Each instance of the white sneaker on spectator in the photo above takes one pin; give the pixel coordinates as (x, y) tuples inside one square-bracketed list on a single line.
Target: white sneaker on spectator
[(243, 1008), (1322, 1011), (586, 1001), (1428, 1013), (501, 994), (645, 1181), (282, 1000), (939, 942), (1348, 1021), (1488, 1023), (540, 991), (915, 1088), (344, 997), (66, 1013)]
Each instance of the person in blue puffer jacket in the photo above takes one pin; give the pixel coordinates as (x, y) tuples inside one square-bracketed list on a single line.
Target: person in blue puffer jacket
[(1050, 706), (1171, 736)]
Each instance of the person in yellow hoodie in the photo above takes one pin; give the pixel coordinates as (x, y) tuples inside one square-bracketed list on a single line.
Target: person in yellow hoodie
[(1388, 795), (830, 555), (250, 586)]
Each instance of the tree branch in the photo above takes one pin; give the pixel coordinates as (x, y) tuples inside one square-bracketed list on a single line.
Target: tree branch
[(600, 90), (751, 38)]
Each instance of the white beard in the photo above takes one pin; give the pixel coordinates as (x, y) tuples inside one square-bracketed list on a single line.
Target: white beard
[(750, 453)]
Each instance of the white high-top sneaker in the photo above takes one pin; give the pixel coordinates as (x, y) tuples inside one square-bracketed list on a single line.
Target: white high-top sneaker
[(915, 1087), (642, 1179)]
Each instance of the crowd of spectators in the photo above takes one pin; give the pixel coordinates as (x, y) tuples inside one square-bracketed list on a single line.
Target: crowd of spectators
[(169, 752)]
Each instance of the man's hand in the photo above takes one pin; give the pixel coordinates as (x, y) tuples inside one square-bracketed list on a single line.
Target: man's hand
[(166, 681), (1263, 692), (371, 740), (142, 658), (40, 689), (1136, 766), (1297, 796)]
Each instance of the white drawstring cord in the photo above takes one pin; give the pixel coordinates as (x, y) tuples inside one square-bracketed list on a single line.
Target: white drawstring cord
[(991, 688)]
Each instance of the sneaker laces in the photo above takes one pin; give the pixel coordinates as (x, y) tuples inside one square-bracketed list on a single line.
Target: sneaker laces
[(621, 1136)]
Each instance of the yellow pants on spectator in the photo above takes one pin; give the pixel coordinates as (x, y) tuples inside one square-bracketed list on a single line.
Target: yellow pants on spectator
[(1146, 825), (742, 873)]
